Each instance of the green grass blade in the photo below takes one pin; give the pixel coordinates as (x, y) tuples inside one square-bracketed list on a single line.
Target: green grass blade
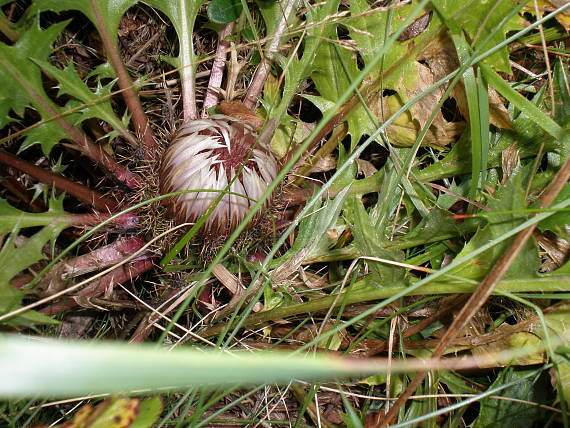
[(520, 102)]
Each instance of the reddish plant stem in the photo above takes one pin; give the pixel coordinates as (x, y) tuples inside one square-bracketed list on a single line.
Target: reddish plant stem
[(124, 221), (217, 72), (96, 199), (485, 289), (264, 66), (118, 276), (108, 254), (132, 100)]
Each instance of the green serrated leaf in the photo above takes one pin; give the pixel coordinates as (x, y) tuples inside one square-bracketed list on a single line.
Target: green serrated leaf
[(14, 219), (47, 135), (14, 259), (98, 104), (439, 223), (478, 19), (370, 29), (496, 413), (10, 297), (510, 196), (334, 70), (370, 242), (557, 222), (19, 253), (224, 11), (21, 83), (316, 225)]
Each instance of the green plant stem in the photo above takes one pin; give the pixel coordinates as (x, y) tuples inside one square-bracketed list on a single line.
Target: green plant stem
[(373, 291)]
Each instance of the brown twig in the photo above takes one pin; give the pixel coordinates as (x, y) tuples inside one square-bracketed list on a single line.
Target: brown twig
[(480, 296)]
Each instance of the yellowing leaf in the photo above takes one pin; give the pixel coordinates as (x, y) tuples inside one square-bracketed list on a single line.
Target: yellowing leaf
[(119, 413), (405, 129), (497, 352), (441, 58)]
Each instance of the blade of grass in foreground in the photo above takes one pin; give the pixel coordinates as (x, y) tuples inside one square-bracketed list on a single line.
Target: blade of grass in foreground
[(33, 368)]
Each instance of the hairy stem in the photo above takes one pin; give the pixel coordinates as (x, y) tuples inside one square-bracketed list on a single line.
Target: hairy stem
[(217, 73), (264, 66)]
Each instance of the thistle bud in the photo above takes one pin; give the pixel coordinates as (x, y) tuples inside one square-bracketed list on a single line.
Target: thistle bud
[(205, 156)]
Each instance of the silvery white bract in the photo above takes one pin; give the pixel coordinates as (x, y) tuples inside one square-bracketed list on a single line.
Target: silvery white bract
[(205, 156)]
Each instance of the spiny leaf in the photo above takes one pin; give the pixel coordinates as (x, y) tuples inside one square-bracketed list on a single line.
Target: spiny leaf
[(558, 222), (16, 257), (98, 101), (496, 413), (14, 219), (369, 241), (21, 82), (510, 196), (316, 225)]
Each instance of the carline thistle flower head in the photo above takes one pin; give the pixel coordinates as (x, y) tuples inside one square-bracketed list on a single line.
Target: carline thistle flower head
[(207, 154)]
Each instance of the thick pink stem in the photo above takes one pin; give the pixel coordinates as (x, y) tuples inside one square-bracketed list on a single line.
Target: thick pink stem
[(107, 254), (124, 221), (117, 276), (256, 85), (217, 72)]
